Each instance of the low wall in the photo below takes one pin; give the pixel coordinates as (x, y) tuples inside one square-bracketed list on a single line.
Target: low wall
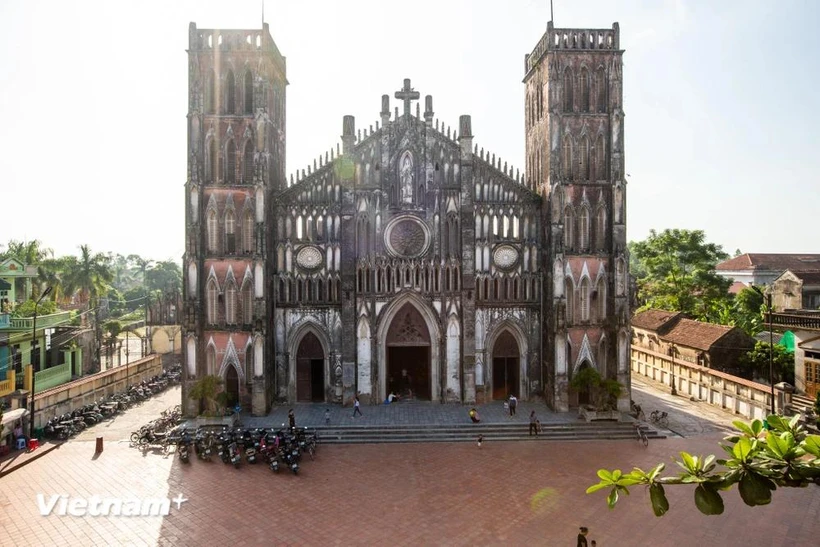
[(52, 377), (737, 395), (72, 395)]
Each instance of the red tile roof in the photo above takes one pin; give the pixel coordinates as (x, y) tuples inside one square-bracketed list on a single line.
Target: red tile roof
[(771, 262), (736, 287), (654, 319), (809, 278), (695, 334)]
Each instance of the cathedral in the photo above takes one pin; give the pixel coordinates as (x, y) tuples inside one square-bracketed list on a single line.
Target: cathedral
[(406, 259)]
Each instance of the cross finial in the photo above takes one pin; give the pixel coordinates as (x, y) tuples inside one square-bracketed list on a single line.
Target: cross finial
[(407, 94)]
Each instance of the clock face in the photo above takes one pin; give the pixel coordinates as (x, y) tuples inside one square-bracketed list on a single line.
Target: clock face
[(406, 237), (505, 257), (309, 258)]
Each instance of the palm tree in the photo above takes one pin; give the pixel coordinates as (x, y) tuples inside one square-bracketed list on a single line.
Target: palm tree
[(52, 272), (142, 266), (90, 273), (28, 252)]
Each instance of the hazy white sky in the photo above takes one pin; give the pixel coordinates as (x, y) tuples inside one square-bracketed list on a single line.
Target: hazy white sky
[(720, 101)]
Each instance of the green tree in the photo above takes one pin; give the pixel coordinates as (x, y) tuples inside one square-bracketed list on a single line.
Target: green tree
[(26, 309), (748, 304), (90, 273), (759, 461), (679, 266), (163, 276), (52, 272), (757, 360), (204, 391), (28, 252), (141, 266)]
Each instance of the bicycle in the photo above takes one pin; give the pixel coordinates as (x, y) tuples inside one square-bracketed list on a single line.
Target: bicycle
[(642, 438), (660, 418)]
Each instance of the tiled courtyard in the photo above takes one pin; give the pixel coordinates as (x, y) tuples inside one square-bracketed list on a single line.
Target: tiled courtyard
[(410, 494)]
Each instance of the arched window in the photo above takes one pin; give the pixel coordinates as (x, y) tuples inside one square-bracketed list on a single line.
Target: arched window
[(583, 159), (230, 232), (566, 153), (600, 229), (569, 220), (213, 296), (247, 232), (230, 93), (210, 94), (568, 91), (600, 89), (583, 296), (583, 229), (600, 158), (248, 92), (299, 227), (212, 231), (212, 162), (247, 304), (230, 304), (230, 164), (210, 360), (584, 96), (247, 163), (570, 297), (600, 296)]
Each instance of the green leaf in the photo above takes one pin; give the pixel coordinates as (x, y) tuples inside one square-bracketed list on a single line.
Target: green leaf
[(744, 428), (755, 489), (708, 500), (660, 505), (811, 444), (595, 487), (612, 498), (689, 462), (777, 445), (605, 475), (742, 449), (757, 427)]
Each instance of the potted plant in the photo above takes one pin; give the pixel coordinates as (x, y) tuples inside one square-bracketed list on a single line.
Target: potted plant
[(604, 395)]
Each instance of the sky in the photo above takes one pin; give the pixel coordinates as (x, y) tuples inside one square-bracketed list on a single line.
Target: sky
[(720, 102)]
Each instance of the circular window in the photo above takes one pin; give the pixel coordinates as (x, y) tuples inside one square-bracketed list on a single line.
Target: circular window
[(406, 237), (505, 257), (309, 258)]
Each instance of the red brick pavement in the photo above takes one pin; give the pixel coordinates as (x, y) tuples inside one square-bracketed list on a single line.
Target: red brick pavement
[(415, 494)]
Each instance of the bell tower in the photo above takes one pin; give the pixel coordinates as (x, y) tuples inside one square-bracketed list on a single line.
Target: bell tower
[(575, 153), (236, 162)]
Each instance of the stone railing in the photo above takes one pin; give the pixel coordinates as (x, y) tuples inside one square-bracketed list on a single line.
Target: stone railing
[(43, 321), (573, 39), (73, 395), (808, 320), (52, 377), (732, 393)]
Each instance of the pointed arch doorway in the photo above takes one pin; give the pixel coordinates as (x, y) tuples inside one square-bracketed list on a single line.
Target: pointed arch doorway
[(408, 355), (310, 373), (506, 364), (231, 386)]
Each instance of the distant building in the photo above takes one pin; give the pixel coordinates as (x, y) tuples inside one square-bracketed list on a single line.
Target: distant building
[(764, 268), (713, 346), (796, 290)]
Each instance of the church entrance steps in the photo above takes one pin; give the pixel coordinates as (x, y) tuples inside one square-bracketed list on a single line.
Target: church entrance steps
[(470, 433)]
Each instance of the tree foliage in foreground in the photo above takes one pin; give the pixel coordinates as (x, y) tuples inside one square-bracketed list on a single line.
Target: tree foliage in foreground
[(759, 461)]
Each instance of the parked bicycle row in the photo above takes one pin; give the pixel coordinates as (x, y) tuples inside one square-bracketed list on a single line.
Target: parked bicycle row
[(277, 448), (155, 431), (657, 417), (71, 423)]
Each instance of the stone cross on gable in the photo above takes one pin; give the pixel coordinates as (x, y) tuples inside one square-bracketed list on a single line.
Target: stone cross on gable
[(407, 94)]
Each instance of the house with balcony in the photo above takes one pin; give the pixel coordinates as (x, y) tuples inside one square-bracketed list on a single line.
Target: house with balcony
[(50, 345)]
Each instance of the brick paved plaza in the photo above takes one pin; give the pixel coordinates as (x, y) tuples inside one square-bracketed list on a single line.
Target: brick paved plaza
[(406, 494)]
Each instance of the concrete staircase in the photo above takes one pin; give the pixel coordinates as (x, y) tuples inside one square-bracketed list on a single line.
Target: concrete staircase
[(801, 403), (491, 432)]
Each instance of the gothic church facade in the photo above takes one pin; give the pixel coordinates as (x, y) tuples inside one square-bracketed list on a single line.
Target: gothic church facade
[(407, 259)]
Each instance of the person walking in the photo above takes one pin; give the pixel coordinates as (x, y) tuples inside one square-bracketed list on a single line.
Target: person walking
[(356, 406), (582, 537), (327, 416), (533, 424), (513, 404), (291, 419)]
